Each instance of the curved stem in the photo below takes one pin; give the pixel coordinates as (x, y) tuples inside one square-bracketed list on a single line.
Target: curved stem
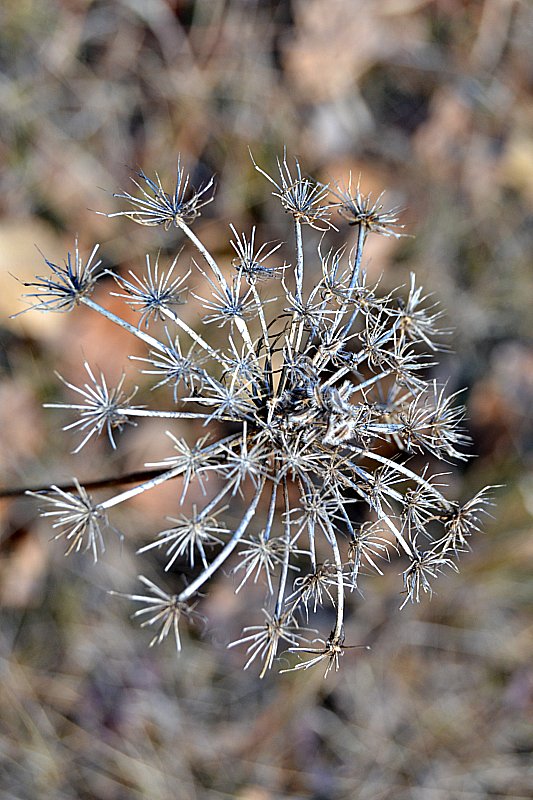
[(358, 256), (226, 551), (271, 512), (409, 474), (149, 340), (356, 271), (210, 261), (286, 554), (355, 275), (338, 630), (299, 269), (142, 487), (355, 360), (147, 412), (266, 338), (398, 535), (194, 336), (160, 477), (307, 490)]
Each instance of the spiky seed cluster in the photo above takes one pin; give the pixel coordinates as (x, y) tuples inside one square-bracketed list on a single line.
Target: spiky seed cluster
[(66, 285), (157, 207), (361, 210), (326, 394)]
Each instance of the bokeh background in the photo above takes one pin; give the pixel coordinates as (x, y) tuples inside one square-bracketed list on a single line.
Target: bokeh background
[(431, 100)]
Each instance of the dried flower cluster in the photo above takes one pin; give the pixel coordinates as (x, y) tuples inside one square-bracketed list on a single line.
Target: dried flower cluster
[(322, 394)]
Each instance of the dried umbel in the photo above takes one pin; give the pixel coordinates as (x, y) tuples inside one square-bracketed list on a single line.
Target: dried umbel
[(322, 397)]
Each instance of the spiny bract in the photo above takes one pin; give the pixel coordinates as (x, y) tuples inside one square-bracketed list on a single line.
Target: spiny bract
[(320, 387)]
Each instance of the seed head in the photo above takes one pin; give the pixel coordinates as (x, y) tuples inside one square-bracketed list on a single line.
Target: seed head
[(359, 209), (67, 285), (155, 206), (300, 410)]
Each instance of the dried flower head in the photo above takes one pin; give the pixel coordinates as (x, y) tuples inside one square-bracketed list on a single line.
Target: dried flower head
[(313, 392), (361, 210), (155, 206), (78, 517), (165, 609), (103, 409), (67, 285), (299, 195), (329, 653), (153, 291)]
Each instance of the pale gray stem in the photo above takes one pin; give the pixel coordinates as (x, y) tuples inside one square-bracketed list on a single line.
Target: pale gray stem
[(142, 487), (299, 270), (210, 261), (337, 632), (286, 554), (155, 343), (226, 551), (409, 474), (194, 336), (146, 412), (271, 512)]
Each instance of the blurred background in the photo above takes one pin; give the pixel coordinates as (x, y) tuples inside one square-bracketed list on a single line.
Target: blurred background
[(430, 100)]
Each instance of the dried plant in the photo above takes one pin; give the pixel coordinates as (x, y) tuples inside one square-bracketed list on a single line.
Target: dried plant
[(325, 399)]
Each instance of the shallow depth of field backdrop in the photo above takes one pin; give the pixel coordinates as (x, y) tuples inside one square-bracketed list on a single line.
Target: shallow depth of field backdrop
[(431, 101)]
